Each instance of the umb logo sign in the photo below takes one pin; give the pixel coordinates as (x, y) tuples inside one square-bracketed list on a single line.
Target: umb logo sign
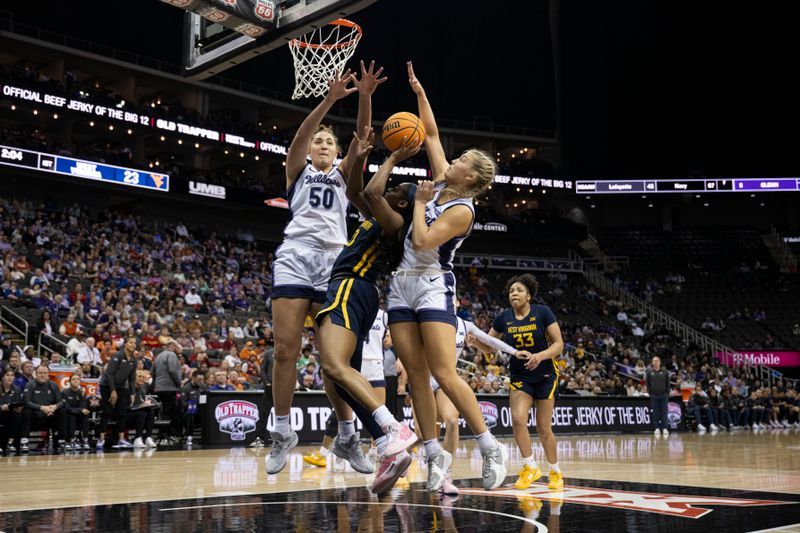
[(206, 189), (237, 418)]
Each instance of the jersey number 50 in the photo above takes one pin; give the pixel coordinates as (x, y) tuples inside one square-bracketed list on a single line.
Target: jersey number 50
[(326, 200)]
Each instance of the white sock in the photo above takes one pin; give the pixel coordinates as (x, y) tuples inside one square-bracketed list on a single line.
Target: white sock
[(531, 462), (383, 417), (555, 509), (380, 444), (346, 428), (323, 451), (554, 467), (282, 425), (432, 447), (486, 441)]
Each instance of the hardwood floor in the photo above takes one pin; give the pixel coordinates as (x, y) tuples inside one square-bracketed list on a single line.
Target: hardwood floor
[(768, 461)]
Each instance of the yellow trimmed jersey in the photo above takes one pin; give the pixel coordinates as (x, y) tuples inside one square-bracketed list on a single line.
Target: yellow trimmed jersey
[(528, 333), (365, 254)]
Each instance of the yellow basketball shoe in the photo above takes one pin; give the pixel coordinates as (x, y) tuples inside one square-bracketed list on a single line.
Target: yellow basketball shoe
[(316, 459), (526, 477), (556, 480)]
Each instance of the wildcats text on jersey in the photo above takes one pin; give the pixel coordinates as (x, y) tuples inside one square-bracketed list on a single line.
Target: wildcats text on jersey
[(322, 178)]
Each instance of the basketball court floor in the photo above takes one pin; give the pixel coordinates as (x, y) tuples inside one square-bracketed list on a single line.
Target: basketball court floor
[(740, 482)]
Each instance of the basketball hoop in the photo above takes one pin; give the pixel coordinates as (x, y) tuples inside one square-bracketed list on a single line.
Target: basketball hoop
[(320, 55)]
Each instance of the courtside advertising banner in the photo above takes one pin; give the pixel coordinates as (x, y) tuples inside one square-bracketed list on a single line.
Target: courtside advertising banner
[(310, 412), (779, 359)]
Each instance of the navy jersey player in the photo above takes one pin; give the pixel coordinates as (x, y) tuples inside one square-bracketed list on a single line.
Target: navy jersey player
[(318, 195), (350, 308), (531, 327), (422, 315)]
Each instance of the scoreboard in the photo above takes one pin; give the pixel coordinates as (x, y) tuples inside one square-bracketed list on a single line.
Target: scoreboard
[(78, 168), (750, 185)]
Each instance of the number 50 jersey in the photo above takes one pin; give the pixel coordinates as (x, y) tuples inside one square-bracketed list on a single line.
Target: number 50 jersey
[(318, 208)]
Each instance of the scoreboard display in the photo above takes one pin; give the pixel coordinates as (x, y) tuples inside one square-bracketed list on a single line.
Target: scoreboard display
[(750, 185), (78, 168)]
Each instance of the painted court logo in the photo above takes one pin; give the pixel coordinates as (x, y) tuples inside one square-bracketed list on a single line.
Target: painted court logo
[(237, 418), (679, 505)]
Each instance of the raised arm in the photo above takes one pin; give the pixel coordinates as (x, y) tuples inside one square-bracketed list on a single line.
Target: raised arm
[(453, 222), (433, 145), (390, 220), (360, 147), (298, 150), (370, 79)]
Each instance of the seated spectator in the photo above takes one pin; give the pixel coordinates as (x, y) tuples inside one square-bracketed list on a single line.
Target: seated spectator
[(46, 324), (193, 299), (214, 347), (76, 344), (11, 405), (26, 375), (13, 363), (149, 337), (236, 381), (76, 406), (211, 379), (43, 409), (249, 353), (69, 328), (250, 329), (142, 414), (238, 332), (89, 354), (302, 361), (221, 382), (164, 337), (190, 400), (198, 342), (719, 415), (230, 342), (307, 383), (698, 406)]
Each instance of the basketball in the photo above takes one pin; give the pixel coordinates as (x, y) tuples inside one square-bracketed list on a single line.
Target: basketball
[(402, 125)]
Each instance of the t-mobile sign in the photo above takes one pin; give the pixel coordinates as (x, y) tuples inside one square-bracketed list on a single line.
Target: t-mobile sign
[(759, 358)]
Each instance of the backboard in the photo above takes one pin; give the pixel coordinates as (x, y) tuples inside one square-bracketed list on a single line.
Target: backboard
[(220, 34)]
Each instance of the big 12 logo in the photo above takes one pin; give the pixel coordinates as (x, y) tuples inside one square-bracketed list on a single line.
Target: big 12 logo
[(265, 10)]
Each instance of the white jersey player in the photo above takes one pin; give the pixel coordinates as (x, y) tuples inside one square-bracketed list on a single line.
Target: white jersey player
[(372, 352), (421, 303), (313, 238)]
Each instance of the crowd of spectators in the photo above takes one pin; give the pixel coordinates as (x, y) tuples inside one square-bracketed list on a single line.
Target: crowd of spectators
[(96, 281)]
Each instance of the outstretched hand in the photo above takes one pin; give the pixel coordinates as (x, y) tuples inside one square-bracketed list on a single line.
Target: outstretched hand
[(406, 150), (425, 191), (369, 80), (416, 86), (522, 354), (338, 85), (365, 142)]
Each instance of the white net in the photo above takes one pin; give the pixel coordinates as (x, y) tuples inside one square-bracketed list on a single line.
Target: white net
[(321, 54)]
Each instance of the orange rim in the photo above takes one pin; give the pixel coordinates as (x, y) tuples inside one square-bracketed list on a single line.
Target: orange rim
[(338, 22)]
